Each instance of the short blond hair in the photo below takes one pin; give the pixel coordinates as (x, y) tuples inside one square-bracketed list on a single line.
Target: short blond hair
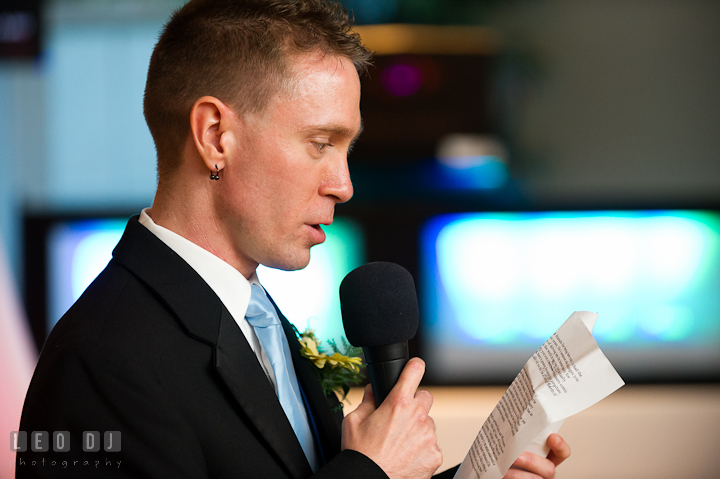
[(237, 51)]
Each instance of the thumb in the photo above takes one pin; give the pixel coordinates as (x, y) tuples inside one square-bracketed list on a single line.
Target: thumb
[(367, 406)]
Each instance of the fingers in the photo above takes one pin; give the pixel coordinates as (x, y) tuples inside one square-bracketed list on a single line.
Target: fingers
[(514, 473), (559, 449), (368, 397), (409, 379), (366, 407), (425, 399), (530, 465), (399, 435)]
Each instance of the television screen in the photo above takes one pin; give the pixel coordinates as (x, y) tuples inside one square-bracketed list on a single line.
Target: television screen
[(495, 286), (78, 250)]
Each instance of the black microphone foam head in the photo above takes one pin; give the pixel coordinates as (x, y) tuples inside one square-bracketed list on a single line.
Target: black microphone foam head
[(379, 305)]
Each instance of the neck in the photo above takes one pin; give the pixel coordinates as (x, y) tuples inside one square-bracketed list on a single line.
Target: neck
[(187, 209)]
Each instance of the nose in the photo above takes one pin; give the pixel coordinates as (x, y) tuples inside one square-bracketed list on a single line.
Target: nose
[(337, 183)]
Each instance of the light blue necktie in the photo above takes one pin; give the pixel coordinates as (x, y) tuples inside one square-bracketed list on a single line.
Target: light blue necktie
[(262, 316)]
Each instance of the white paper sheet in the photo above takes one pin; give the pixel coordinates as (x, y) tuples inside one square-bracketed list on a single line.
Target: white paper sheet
[(566, 375)]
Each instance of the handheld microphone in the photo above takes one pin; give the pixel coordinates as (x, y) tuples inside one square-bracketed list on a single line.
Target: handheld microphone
[(380, 314)]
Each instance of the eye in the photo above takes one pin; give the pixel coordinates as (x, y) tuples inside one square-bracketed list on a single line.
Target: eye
[(321, 146)]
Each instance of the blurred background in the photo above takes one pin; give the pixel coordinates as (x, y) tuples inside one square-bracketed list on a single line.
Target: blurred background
[(522, 159)]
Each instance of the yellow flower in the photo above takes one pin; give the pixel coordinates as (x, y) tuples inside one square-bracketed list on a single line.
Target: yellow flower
[(342, 371), (346, 362), (309, 346), (310, 351)]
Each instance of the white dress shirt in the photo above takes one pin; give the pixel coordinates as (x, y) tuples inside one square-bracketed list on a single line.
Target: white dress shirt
[(229, 284)]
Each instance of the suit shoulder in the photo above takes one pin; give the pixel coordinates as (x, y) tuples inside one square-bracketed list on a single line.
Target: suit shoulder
[(117, 314)]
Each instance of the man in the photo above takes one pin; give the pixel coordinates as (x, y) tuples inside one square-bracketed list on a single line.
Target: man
[(253, 106)]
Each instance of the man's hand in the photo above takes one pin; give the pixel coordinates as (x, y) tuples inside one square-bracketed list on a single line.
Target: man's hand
[(532, 466), (399, 435)]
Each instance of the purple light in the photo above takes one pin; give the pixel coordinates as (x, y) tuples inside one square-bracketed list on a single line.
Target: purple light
[(402, 80)]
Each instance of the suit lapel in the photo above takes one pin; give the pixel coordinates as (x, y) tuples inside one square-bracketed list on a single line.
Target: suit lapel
[(321, 406), (239, 368), (204, 317)]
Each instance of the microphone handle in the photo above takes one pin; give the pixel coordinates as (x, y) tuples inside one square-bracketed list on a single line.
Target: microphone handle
[(384, 365)]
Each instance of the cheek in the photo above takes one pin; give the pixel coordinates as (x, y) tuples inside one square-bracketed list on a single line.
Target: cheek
[(277, 184), (295, 184)]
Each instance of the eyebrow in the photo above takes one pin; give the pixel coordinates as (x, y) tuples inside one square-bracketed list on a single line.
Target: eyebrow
[(357, 135), (338, 130)]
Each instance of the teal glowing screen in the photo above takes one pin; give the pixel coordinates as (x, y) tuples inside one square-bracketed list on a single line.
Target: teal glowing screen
[(497, 285)]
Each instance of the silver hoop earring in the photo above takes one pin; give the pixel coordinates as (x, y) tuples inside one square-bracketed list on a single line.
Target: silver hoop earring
[(215, 176)]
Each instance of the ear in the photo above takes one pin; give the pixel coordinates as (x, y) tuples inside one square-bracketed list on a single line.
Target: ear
[(210, 121)]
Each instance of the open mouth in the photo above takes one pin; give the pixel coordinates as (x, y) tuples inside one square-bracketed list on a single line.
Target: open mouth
[(319, 234)]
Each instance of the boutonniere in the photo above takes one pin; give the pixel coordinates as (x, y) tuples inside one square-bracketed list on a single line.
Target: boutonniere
[(336, 371)]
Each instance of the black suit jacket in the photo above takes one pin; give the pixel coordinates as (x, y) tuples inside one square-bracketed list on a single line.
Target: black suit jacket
[(150, 351)]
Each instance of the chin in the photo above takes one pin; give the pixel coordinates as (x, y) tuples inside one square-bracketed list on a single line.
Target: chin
[(293, 263)]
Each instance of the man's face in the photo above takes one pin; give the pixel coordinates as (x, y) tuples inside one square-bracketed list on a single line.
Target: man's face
[(288, 166)]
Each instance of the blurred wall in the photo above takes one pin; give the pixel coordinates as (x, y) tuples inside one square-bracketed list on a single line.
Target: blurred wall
[(72, 133), (620, 99)]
